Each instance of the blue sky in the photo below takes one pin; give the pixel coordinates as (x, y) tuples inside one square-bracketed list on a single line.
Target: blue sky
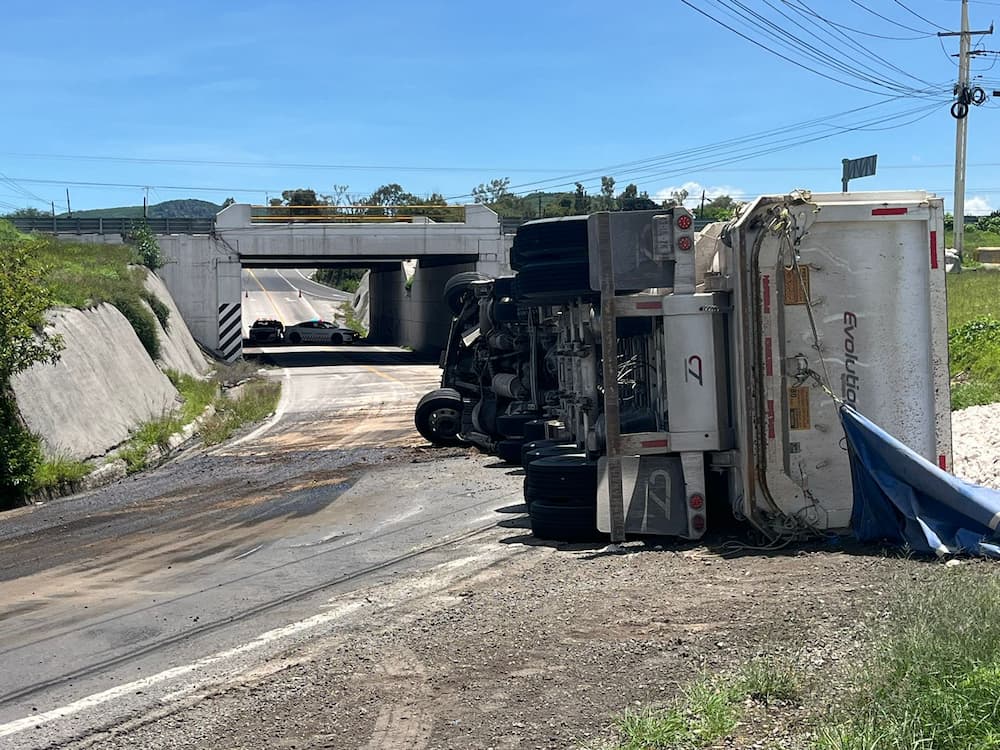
[(211, 100)]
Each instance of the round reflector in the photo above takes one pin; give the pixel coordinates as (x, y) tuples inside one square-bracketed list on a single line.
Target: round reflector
[(698, 523), (697, 502), (684, 243), (684, 221)]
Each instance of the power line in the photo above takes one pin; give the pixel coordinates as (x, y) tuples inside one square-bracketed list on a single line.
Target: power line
[(914, 13), (275, 165)]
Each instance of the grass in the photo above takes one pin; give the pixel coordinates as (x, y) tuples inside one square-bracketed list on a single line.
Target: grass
[(254, 400), (84, 275), (707, 711), (60, 471), (974, 337), (351, 320), (932, 678)]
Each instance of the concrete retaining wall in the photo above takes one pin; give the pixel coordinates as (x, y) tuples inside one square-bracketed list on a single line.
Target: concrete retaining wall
[(104, 384)]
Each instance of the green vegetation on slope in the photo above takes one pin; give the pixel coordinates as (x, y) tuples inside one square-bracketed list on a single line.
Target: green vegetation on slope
[(974, 337)]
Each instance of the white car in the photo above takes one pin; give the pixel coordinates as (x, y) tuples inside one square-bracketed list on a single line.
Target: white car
[(319, 332)]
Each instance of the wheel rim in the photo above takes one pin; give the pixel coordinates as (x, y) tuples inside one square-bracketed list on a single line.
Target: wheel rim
[(445, 422)]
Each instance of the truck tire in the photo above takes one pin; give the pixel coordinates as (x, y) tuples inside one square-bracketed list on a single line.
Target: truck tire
[(438, 417), (564, 238), (534, 430), (554, 280), (566, 479), (564, 523), (457, 286), (509, 451), (512, 425)]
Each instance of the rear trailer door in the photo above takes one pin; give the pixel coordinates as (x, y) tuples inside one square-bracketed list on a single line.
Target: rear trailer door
[(841, 293)]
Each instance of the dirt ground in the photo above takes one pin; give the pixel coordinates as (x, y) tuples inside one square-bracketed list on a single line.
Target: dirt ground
[(544, 645)]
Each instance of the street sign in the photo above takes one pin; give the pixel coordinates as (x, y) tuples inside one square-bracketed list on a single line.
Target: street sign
[(854, 168)]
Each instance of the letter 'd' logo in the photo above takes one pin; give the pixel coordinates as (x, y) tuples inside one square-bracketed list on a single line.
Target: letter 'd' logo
[(693, 371)]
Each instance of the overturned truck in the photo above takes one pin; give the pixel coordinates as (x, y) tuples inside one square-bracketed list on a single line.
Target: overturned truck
[(655, 381)]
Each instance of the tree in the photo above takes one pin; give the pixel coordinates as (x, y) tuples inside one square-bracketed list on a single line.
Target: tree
[(631, 199), (581, 204), (23, 343), (720, 208), (492, 192), (608, 193), (26, 213), (228, 202), (26, 296)]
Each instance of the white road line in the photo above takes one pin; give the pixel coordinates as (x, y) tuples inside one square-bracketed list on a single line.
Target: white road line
[(115, 693)]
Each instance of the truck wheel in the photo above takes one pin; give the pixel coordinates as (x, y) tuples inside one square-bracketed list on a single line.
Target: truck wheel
[(561, 478), (509, 451), (438, 417), (456, 288), (564, 523), (554, 280), (295, 339), (512, 425), (550, 239), (534, 430)]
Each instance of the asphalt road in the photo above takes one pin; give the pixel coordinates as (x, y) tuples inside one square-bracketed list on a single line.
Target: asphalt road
[(288, 295), (119, 601)]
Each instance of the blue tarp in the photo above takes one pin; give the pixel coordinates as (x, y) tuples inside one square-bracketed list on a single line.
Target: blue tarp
[(902, 498)]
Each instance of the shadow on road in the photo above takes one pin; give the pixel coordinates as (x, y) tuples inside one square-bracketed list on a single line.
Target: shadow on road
[(332, 357)]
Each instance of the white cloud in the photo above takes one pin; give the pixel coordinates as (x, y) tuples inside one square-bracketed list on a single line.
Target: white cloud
[(977, 205), (694, 190)]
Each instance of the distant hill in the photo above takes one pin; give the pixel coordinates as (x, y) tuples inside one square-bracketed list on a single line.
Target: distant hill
[(188, 208)]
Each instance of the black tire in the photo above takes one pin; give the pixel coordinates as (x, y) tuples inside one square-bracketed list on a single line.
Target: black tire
[(564, 238), (295, 338), (564, 523), (457, 287), (554, 280), (568, 479), (438, 417), (530, 455), (534, 430), (509, 451), (512, 425), (337, 339), (536, 446)]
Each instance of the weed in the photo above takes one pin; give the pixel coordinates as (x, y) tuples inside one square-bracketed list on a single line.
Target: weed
[(351, 320), (932, 678), (59, 471), (764, 681), (706, 711), (256, 400)]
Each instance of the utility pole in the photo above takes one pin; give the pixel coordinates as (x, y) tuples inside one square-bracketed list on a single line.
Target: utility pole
[(69, 209), (964, 96)]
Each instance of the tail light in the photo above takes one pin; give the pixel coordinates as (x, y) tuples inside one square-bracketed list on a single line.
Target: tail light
[(684, 243), (696, 502), (684, 222), (698, 522)]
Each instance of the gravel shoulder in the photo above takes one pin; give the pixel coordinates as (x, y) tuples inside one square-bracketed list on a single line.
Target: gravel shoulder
[(515, 643)]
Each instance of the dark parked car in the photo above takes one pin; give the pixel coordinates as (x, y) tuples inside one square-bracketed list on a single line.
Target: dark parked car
[(266, 331)]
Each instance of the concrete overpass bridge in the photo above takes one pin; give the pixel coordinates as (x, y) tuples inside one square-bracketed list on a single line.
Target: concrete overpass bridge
[(203, 268)]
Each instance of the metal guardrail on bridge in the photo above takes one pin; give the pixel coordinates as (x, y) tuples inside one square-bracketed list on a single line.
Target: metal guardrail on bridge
[(260, 214), (112, 225)]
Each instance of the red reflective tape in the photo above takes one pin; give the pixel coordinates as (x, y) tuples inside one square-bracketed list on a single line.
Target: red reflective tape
[(934, 253), (770, 419), (889, 211), (943, 462), (766, 284), (768, 358), (653, 444), (648, 305)]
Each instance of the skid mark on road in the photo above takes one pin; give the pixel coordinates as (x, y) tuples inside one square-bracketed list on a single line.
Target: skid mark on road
[(401, 723)]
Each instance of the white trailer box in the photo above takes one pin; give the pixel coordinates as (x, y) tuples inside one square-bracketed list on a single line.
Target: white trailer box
[(833, 295)]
